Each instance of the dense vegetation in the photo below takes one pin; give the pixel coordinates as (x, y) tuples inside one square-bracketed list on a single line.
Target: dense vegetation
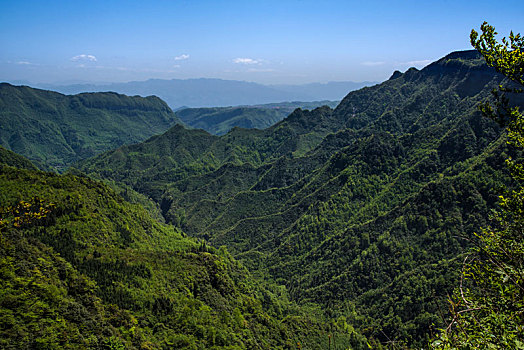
[(487, 310), (354, 223), (219, 120), (365, 210), (82, 268), (54, 130), (10, 158)]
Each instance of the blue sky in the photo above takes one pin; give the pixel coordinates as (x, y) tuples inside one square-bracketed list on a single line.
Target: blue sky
[(269, 42)]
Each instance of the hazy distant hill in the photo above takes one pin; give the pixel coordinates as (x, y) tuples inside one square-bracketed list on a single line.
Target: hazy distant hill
[(216, 92), (219, 120), (55, 130), (334, 90)]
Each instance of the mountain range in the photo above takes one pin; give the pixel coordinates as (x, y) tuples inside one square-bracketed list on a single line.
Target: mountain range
[(335, 227)]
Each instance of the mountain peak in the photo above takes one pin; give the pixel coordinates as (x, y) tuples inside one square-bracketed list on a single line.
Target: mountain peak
[(463, 54), (396, 74), (460, 59)]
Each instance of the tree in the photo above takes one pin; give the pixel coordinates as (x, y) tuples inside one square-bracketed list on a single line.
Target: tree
[(488, 308)]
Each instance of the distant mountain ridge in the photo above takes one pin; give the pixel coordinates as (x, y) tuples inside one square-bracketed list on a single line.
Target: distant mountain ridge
[(219, 120), (333, 90), (207, 92)]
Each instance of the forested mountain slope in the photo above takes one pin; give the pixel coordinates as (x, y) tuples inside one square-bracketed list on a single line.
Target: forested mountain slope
[(55, 130), (364, 209), (12, 159), (82, 268)]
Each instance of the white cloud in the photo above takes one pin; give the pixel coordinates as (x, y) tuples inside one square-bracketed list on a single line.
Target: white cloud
[(260, 70), (373, 64), (419, 63), (83, 57), (181, 57), (246, 61), (176, 66), (24, 63)]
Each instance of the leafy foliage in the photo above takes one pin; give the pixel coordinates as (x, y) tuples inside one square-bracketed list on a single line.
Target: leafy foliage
[(488, 307)]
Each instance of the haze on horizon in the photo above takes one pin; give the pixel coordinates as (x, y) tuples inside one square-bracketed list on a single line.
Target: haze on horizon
[(268, 42)]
